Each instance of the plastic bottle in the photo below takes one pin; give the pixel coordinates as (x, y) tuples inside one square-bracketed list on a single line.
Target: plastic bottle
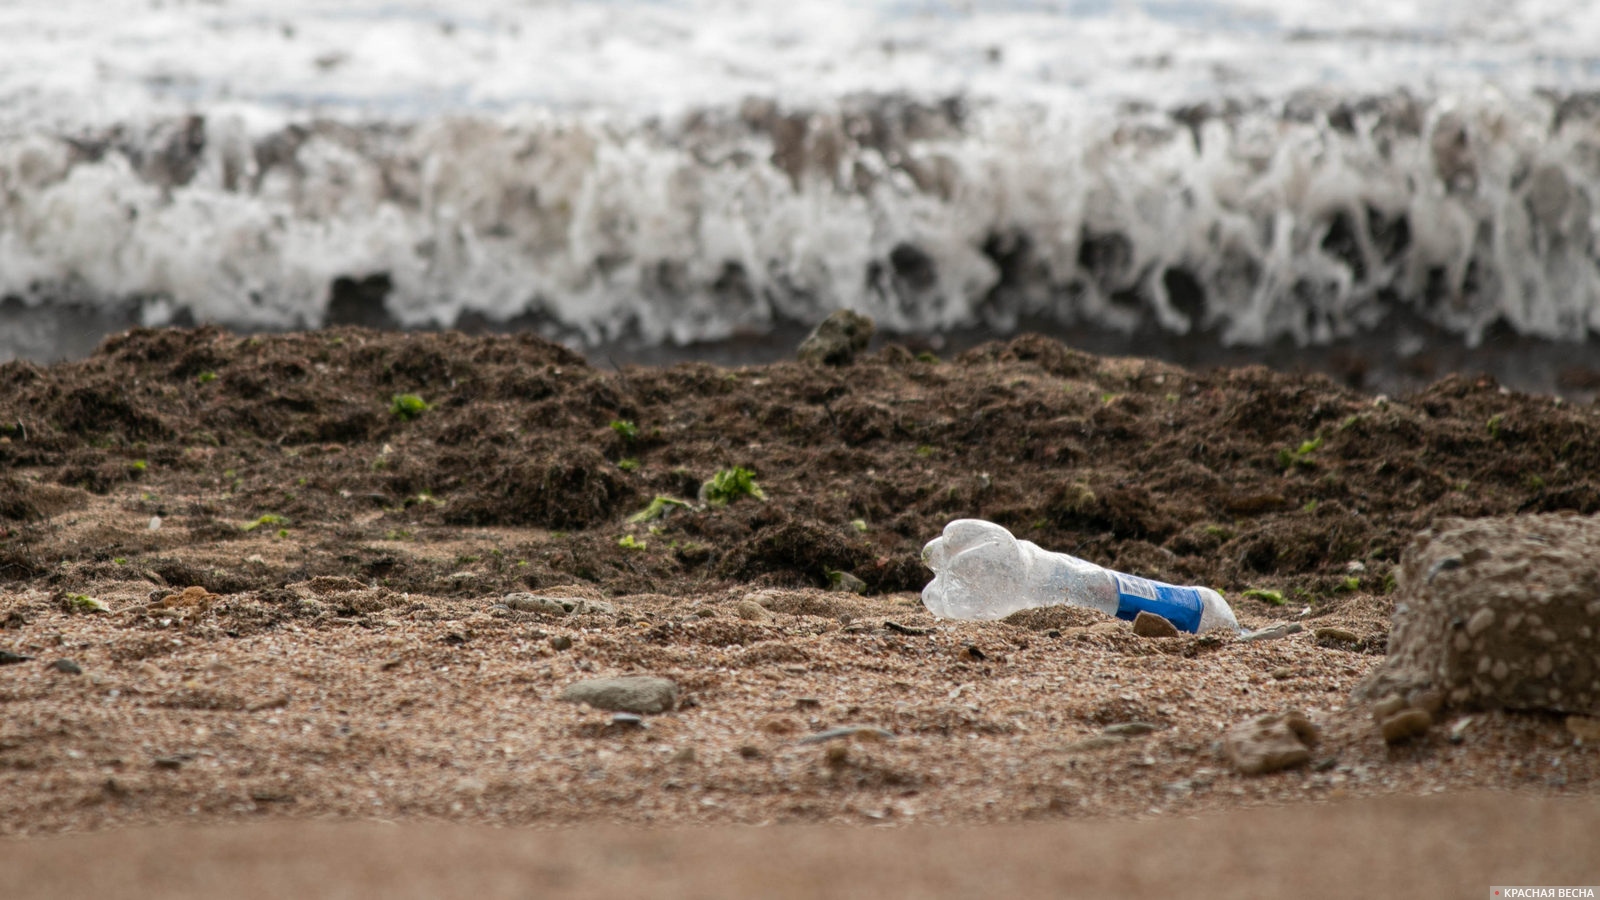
[(981, 571)]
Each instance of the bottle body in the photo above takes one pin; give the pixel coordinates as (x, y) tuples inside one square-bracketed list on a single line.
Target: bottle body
[(982, 571)]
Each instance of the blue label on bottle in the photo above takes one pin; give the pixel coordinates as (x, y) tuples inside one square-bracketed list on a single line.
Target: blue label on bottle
[(1179, 605)]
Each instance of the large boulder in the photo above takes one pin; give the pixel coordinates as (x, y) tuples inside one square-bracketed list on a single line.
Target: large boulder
[(1498, 613)]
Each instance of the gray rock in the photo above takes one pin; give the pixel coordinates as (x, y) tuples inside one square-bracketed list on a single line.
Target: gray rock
[(1273, 633), (640, 694), (1496, 613), (1270, 743), (838, 339)]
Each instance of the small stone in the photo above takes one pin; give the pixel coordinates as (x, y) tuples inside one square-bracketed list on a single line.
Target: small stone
[(682, 756), (67, 667), (525, 602), (1458, 731), (1480, 621), (749, 751), (641, 694), (1273, 633), (1387, 707), (752, 611), (170, 763), (7, 658), (1282, 672), (1584, 728), (1112, 627), (560, 642), (627, 720), (1271, 743), (808, 703), (1342, 635), (1150, 625), (1405, 725), (837, 339)]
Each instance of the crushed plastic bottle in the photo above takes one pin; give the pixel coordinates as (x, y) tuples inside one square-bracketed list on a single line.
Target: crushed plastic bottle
[(982, 571)]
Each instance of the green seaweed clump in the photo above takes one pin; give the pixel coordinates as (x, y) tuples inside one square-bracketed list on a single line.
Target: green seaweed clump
[(406, 407), (729, 485)]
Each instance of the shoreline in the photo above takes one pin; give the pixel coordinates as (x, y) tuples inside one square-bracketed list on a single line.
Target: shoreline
[(250, 584)]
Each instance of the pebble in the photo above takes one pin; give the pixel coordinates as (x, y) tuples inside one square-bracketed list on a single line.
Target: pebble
[(753, 611), (1282, 672), (1387, 707), (7, 658), (640, 694), (67, 667), (1270, 743), (627, 720), (524, 602), (1458, 731), (1342, 635), (560, 642), (1150, 625), (1273, 633), (1405, 725)]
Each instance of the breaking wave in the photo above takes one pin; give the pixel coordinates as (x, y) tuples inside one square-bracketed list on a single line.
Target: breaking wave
[(1309, 219)]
